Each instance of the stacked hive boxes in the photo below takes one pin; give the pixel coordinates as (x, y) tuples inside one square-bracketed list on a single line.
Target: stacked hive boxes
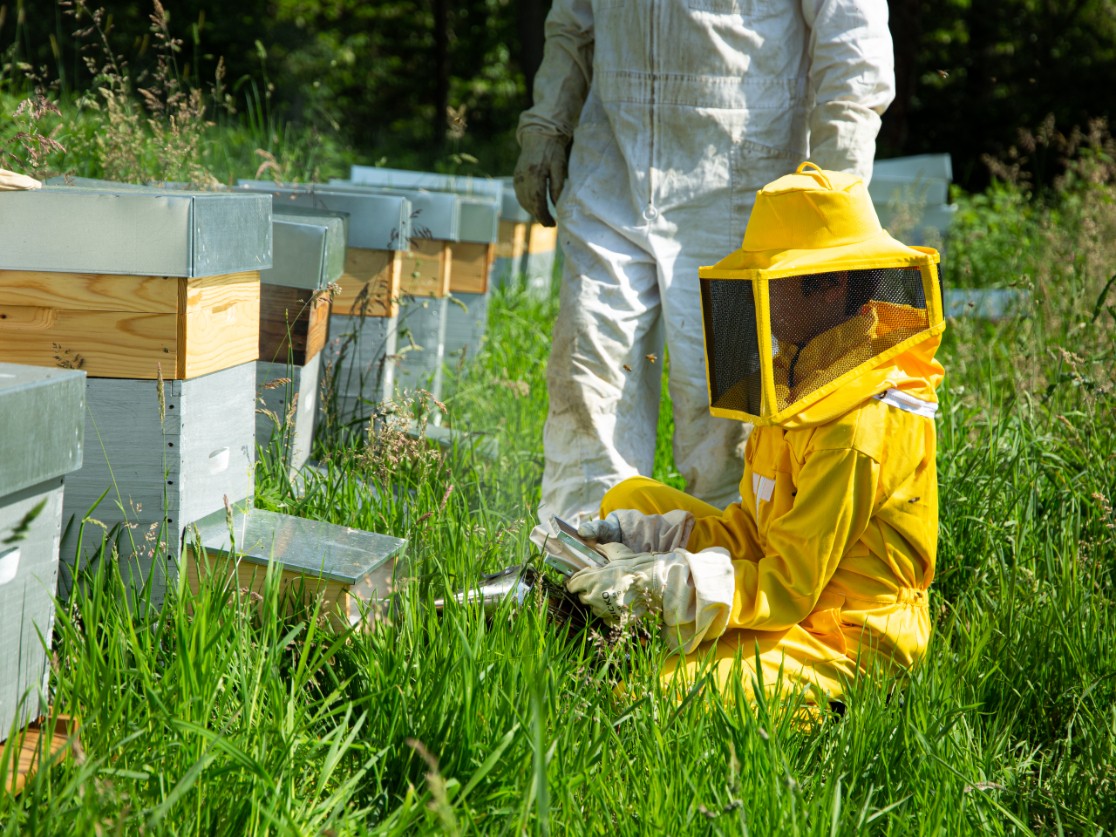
[(424, 285), (155, 295), (42, 417), (474, 254), (309, 255), (359, 359)]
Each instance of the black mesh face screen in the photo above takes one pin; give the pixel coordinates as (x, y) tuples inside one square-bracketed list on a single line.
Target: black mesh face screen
[(731, 345), (823, 325), (828, 324)]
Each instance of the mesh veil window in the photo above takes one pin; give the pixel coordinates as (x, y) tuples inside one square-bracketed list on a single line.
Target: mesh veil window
[(818, 328)]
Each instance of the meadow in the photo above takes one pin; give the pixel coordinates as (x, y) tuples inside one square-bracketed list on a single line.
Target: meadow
[(218, 715)]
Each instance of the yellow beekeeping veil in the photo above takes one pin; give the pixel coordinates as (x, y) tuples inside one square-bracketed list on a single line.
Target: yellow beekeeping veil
[(817, 295)]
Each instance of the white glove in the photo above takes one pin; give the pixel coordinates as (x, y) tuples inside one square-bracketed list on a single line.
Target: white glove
[(691, 591), (12, 182), (541, 169), (641, 532)]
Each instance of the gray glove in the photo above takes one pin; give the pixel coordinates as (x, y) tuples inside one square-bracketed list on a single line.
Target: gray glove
[(541, 169), (12, 182), (601, 531), (641, 532)]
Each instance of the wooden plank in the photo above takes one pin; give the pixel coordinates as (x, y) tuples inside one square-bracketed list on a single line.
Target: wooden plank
[(472, 264), (293, 323), (36, 742), (222, 323), (105, 344), (370, 283), (89, 291), (250, 577), (542, 239), (511, 240), (427, 268)]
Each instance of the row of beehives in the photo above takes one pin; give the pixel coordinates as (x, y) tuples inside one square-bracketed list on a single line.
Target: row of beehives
[(155, 295)]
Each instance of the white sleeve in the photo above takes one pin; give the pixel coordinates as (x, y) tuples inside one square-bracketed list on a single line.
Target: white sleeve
[(562, 82), (852, 74), (697, 596)]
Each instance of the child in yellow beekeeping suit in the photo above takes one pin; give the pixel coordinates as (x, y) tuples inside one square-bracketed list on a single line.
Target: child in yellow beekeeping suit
[(821, 331)]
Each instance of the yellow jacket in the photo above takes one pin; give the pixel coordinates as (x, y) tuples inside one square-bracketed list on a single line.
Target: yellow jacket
[(834, 541)]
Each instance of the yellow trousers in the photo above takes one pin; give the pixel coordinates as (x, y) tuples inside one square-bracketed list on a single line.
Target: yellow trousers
[(820, 656)]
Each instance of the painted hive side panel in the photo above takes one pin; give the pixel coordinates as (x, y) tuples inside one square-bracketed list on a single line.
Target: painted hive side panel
[(421, 344), (466, 322), (28, 578), (221, 323), (358, 369), (287, 406), (130, 451), (218, 440)]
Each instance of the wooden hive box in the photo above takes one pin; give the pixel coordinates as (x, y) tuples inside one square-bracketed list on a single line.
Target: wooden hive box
[(349, 570), (42, 416), (358, 363), (309, 255), (149, 282), (539, 259), (425, 284), (467, 316)]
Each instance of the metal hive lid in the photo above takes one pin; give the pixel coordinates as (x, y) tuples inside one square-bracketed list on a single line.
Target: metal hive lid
[(307, 547)]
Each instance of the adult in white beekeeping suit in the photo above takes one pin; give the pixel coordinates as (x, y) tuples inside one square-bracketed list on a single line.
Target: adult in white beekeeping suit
[(672, 114)]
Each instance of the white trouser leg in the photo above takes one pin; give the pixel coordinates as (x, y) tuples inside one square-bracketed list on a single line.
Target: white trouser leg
[(708, 451), (604, 391)]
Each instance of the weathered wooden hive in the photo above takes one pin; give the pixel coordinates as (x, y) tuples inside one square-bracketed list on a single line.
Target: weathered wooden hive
[(358, 363), (351, 571), (42, 416), (155, 294), (911, 196), (309, 255)]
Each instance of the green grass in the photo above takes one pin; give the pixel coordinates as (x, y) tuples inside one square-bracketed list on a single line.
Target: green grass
[(212, 718)]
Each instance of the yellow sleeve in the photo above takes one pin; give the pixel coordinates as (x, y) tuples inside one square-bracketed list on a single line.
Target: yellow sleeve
[(734, 529), (833, 503)]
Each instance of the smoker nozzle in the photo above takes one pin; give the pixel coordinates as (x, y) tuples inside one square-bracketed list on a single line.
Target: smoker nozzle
[(512, 582)]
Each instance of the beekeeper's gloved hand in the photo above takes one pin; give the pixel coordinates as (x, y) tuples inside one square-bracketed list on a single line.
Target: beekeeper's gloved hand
[(540, 170), (691, 591), (641, 532), (12, 182), (601, 531)]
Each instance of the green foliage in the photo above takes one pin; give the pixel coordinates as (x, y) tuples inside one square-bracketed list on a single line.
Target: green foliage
[(225, 714)]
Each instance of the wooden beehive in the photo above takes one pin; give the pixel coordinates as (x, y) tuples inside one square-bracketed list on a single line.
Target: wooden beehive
[(467, 314), (309, 255), (348, 570), (41, 413), (511, 242), (358, 364), (149, 284)]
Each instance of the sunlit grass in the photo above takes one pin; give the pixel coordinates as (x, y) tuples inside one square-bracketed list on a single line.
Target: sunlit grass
[(213, 718)]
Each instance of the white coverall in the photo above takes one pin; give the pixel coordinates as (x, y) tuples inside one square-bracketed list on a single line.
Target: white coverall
[(679, 111)]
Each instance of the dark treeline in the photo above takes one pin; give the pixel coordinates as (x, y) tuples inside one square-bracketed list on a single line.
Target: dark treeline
[(415, 82)]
